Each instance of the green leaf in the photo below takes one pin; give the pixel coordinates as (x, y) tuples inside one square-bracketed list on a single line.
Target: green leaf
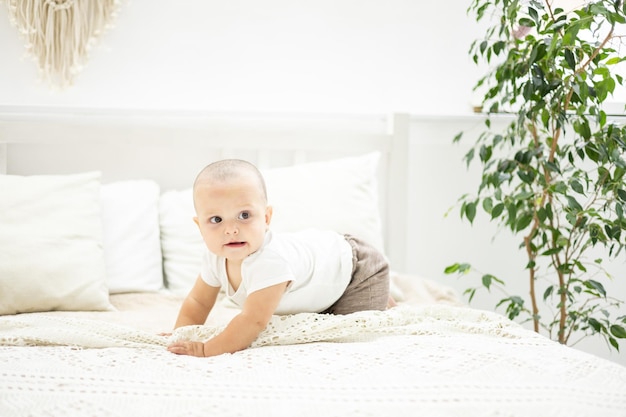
[(469, 156), (517, 300), (545, 118), (585, 131), (515, 307), (577, 186), (523, 157), (552, 166), (614, 60), (483, 46), (488, 204), (595, 285), (551, 251), (542, 214), (570, 59), (524, 195), (486, 281), (548, 292), (560, 187), (497, 210), (613, 232), (562, 241), (595, 233), (573, 204), (526, 176), (592, 152), (457, 267), (485, 153), (471, 292), (470, 211), (618, 331), (595, 324), (580, 266), (498, 47), (523, 222)]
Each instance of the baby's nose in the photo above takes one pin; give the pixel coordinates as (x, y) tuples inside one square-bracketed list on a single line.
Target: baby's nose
[(231, 229)]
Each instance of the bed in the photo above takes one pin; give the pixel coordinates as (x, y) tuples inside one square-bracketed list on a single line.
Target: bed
[(97, 249)]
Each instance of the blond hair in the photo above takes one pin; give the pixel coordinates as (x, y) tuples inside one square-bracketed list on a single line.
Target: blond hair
[(227, 169)]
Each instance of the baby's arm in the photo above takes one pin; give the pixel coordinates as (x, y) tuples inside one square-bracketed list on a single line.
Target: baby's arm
[(242, 330), (197, 305)]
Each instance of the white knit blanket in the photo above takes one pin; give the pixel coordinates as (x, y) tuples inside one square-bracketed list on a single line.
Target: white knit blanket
[(408, 361), (41, 329)]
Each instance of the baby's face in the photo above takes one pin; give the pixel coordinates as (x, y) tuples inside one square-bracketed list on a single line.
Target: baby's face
[(232, 215)]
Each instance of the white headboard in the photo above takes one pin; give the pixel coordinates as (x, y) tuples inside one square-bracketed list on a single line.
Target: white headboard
[(171, 146)]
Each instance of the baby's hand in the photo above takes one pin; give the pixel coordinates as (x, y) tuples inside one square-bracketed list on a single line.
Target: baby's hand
[(166, 334), (185, 347)]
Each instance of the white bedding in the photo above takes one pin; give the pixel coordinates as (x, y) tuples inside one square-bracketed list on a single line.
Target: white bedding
[(428, 356)]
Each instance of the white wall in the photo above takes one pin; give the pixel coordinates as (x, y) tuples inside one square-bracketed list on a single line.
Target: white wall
[(330, 56), (276, 55)]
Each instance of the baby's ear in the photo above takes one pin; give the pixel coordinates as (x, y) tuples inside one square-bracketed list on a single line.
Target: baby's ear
[(269, 210), (195, 220)]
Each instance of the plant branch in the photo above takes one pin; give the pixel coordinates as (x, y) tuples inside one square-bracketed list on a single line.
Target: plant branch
[(530, 253)]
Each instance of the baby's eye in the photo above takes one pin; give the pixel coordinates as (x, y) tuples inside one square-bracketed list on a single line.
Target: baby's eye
[(215, 219), (244, 215)]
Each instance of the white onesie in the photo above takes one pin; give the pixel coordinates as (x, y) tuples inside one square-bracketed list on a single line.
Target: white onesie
[(318, 264)]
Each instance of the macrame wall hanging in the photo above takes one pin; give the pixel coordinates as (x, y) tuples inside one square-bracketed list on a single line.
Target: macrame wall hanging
[(59, 33)]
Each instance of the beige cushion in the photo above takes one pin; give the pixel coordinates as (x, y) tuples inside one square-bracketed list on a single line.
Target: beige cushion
[(51, 251)]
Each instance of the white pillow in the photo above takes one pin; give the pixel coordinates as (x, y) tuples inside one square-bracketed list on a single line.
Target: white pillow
[(181, 242), (132, 244), (51, 255), (340, 195)]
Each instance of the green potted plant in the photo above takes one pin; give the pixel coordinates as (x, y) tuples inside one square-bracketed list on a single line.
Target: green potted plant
[(556, 175)]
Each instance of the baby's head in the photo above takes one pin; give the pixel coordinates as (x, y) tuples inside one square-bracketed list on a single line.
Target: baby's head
[(230, 200)]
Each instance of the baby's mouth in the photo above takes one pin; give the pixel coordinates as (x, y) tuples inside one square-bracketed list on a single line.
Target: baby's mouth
[(235, 244)]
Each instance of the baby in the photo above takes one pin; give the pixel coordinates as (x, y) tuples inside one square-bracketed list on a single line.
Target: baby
[(265, 272)]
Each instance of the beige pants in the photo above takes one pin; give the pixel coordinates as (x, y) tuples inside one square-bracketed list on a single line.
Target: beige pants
[(369, 286)]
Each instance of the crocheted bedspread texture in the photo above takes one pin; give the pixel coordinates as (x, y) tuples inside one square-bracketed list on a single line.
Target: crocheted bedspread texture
[(436, 360)]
